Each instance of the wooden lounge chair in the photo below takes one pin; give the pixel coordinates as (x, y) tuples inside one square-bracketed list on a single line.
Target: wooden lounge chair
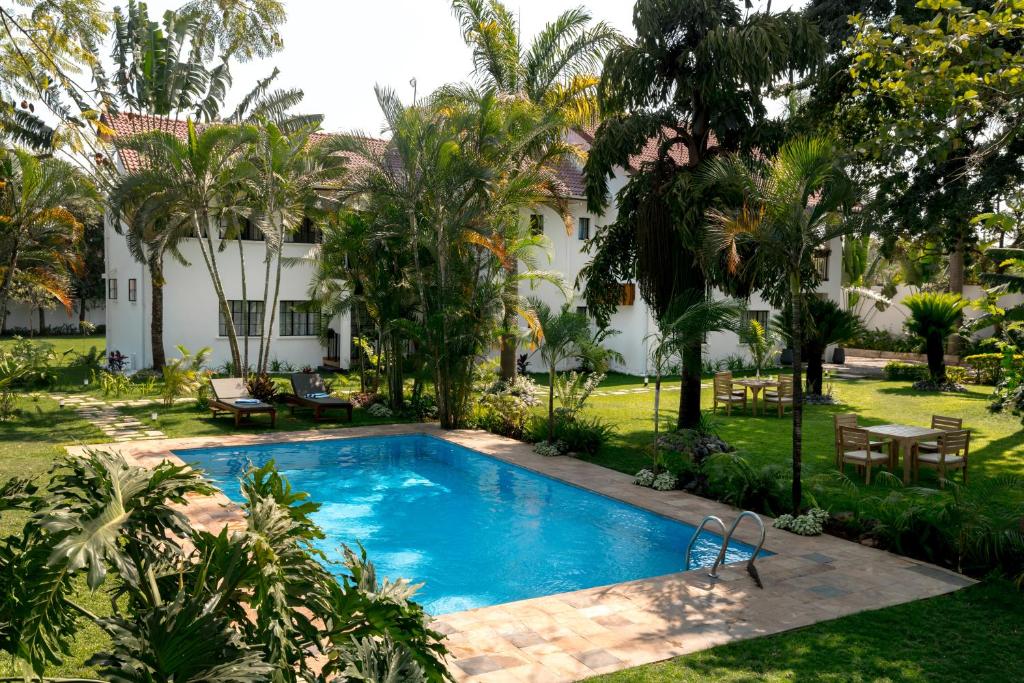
[(953, 448), (306, 393), (855, 447), (725, 394), (850, 420), (231, 397), (783, 397)]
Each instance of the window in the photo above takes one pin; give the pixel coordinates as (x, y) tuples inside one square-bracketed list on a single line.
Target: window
[(583, 229), (628, 293), (250, 325), (536, 224), (307, 233), (760, 316), (821, 263), (132, 294), (248, 230), (112, 288), (582, 310), (299, 321)]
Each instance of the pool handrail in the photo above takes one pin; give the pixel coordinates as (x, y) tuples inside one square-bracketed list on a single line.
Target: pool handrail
[(751, 569), (696, 534)]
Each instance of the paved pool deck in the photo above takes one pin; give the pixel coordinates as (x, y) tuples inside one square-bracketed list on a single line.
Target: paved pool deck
[(573, 636)]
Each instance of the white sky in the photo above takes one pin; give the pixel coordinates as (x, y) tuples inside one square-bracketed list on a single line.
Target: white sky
[(337, 50)]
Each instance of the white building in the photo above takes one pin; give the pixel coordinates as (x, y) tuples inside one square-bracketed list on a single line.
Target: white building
[(192, 317)]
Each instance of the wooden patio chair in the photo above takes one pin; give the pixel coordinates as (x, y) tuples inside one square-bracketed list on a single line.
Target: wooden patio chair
[(726, 394), (850, 420), (949, 424), (855, 447), (953, 449), (231, 397), (783, 397)]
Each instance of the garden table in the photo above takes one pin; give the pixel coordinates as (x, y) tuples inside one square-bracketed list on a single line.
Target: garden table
[(904, 436), (755, 385)]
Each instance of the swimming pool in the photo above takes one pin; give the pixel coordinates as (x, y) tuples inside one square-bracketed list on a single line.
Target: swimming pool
[(476, 530)]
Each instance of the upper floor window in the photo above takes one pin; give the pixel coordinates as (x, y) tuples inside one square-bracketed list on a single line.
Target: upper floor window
[(112, 288), (132, 289), (308, 233), (536, 224), (299, 320), (247, 324), (583, 228), (821, 259), (250, 231)]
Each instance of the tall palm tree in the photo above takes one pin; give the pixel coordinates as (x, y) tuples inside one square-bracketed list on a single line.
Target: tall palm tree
[(181, 188), (291, 174), (690, 87), (42, 204), (789, 206), (557, 74)]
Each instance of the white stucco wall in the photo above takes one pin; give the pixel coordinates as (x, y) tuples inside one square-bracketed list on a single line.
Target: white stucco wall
[(892, 318), (22, 316), (191, 310)]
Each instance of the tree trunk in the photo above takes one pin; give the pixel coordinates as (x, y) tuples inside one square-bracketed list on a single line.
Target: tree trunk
[(551, 403), (42, 320), (936, 359), (689, 390), (245, 308), (273, 307), (508, 340), (956, 286), (396, 378), (81, 312), (798, 395), (815, 369), (156, 324), (5, 286), (210, 259)]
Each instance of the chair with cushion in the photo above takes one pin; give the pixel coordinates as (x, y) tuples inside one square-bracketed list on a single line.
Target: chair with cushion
[(850, 420), (726, 394), (951, 454), (855, 448), (231, 397), (949, 424), (309, 391), (783, 397)]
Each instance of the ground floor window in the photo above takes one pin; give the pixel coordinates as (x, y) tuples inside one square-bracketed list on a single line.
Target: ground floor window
[(298, 319), (247, 324), (760, 316)]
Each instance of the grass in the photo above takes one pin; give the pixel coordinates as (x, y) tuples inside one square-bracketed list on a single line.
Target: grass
[(967, 635)]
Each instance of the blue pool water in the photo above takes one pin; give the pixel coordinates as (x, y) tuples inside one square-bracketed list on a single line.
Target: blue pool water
[(476, 530)]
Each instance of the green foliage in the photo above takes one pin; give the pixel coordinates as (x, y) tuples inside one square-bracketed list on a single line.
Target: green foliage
[(761, 343), (193, 605), (883, 340), (92, 360), (112, 384), (735, 481), (586, 434), (573, 389), (898, 371), (37, 361), (988, 367), (183, 376), (504, 414)]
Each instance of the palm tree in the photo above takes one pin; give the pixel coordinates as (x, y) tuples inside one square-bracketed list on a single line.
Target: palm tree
[(689, 88), (790, 206), (933, 317), (42, 204), (825, 323), (180, 191), (556, 74), (563, 335), (761, 343)]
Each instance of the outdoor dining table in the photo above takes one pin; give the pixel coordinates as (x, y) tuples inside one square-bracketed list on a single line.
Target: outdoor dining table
[(904, 436), (755, 385)]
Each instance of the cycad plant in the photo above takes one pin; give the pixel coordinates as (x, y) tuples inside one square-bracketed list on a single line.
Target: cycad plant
[(825, 323), (933, 317)]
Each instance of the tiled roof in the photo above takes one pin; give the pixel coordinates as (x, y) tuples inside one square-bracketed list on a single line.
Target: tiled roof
[(569, 175)]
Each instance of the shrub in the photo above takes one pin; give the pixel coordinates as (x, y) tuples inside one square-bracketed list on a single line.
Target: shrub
[(988, 367), (666, 481), (262, 387), (734, 481), (116, 361), (91, 360), (550, 449), (644, 478), (582, 435), (883, 340), (897, 371), (112, 383), (36, 361), (379, 410), (810, 524), (501, 414), (183, 375)]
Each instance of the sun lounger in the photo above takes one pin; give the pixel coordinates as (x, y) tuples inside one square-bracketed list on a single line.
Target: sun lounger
[(231, 397), (309, 391)]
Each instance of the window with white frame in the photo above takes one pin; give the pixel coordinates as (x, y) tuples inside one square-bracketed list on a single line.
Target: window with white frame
[(247, 323), (298, 319), (536, 224), (821, 258), (761, 316), (112, 288)]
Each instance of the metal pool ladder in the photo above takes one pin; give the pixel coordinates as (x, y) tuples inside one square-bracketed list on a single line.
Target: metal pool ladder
[(726, 537)]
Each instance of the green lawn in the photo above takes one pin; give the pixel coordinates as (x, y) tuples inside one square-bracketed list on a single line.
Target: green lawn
[(970, 635), (987, 619)]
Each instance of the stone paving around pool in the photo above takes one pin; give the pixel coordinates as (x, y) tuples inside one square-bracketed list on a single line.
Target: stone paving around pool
[(572, 636)]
